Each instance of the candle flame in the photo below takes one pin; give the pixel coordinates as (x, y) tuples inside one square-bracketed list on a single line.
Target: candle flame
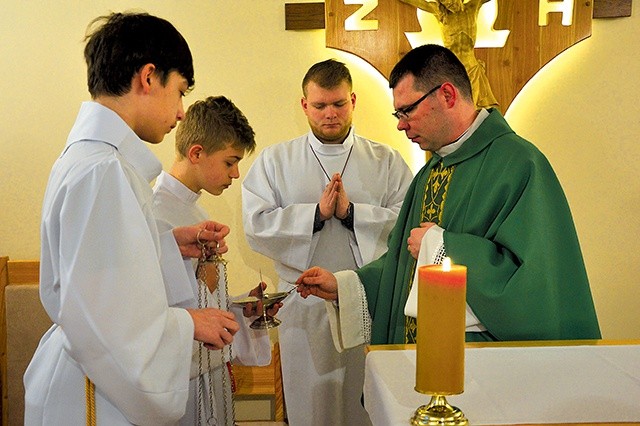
[(446, 264)]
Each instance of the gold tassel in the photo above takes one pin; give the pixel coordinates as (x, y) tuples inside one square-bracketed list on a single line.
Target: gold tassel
[(90, 392)]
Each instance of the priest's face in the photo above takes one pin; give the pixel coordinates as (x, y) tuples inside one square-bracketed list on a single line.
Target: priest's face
[(216, 171), (422, 119), (329, 111)]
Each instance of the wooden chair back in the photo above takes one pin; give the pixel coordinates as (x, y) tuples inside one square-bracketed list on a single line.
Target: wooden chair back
[(23, 322)]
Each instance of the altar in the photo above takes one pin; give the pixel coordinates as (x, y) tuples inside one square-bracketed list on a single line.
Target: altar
[(516, 383)]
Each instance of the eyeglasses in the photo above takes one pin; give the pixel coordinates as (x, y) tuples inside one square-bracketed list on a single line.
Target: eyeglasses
[(403, 113)]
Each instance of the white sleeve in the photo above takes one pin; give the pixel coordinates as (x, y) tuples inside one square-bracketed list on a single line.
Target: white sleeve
[(114, 311), (250, 347), (284, 234), (349, 319), (177, 273), (432, 243), (432, 250)]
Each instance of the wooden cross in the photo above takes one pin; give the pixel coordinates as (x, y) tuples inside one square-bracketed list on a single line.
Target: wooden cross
[(527, 49)]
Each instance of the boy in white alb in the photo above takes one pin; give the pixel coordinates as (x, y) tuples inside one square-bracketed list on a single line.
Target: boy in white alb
[(119, 351), (210, 142)]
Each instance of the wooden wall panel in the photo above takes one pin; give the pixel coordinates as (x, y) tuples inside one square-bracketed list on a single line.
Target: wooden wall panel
[(529, 47), (382, 48), (304, 16), (611, 8)]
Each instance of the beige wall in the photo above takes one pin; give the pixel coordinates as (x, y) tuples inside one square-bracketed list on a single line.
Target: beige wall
[(581, 111)]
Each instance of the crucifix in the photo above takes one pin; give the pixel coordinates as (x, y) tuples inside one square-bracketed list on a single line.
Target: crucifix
[(514, 41), (310, 16)]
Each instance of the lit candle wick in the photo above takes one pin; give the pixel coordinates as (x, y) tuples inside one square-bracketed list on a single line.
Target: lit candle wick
[(446, 264)]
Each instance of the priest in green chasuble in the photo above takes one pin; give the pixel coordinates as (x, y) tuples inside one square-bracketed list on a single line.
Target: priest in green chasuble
[(488, 199)]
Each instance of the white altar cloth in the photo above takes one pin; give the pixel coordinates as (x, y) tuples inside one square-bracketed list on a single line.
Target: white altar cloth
[(516, 385)]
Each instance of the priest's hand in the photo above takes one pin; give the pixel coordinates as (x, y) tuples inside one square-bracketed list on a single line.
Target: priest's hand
[(213, 327), (318, 282), (415, 238), (255, 309), (329, 198), (190, 239)]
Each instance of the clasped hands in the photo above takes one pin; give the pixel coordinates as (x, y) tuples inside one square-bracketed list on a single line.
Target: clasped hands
[(334, 200)]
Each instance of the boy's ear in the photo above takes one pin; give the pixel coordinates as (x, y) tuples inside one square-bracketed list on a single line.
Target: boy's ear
[(194, 153), (145, 75)]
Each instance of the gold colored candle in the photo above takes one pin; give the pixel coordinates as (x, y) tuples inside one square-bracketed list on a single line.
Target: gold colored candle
[(441, 325)]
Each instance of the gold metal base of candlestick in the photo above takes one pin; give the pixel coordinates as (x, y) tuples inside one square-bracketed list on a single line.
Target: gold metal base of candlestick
[(438, 413)]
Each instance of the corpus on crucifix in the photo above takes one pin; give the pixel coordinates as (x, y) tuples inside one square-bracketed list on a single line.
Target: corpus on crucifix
[(458, 26)]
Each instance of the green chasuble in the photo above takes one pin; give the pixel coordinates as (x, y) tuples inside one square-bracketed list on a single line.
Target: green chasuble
[(507, 219)]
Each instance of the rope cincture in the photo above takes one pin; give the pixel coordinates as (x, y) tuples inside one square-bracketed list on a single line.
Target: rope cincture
[(90, 394)]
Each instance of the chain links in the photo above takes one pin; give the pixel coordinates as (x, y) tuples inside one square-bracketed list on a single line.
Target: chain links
[(227, 374), (227, 378)]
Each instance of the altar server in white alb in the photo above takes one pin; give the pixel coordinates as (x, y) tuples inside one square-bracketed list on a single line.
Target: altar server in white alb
[(118, 354), (210, 142), (327, 198)]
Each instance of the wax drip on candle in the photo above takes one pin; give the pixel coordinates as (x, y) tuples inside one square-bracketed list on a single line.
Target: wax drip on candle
[(446, 264)]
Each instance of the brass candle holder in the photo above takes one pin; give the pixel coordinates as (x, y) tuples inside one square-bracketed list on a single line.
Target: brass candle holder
[(440, 342), (438, 412)]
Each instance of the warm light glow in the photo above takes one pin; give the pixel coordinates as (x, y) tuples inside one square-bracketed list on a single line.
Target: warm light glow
[(486, 35), (539, 87), (446, 264), (372, 89)]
